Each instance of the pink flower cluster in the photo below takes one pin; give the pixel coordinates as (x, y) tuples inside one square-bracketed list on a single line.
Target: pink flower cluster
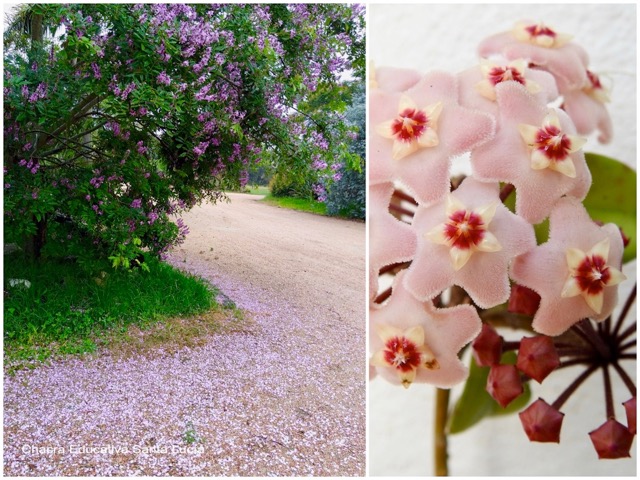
[(461, 234)]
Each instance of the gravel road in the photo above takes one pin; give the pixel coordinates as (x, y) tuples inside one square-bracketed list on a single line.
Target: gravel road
[(286, 397)]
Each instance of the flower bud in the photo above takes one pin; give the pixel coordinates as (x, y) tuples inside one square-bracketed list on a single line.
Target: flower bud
[(487, 347), (542, 422), (537, 357), (630, 408), (523, 300), (612, 440), (504, 384)]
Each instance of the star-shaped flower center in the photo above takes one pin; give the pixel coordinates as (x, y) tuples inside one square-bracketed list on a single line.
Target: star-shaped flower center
[(540, 34), (412, 128), (589, 274), (499, 74), (595, 89), (465, 231), (494, 74), (404, 351), (550, 146)]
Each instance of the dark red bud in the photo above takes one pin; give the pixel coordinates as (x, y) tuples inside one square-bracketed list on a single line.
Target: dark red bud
[(523, 300), (612, 440), (542, 422), (504, 384), (537, 357), (630, 408), (487, 347)]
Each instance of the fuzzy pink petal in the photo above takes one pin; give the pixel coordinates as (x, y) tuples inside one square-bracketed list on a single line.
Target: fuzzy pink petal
[(471, 98), (506, 158), (425, 173), (446, 332), (494, 44), (390, 240), (588, 115), (485, 276), (566, 62), (545, 269), (396, 79)]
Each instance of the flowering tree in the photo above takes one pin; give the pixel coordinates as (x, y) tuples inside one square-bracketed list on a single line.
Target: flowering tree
[(123, 116), (521, 242)]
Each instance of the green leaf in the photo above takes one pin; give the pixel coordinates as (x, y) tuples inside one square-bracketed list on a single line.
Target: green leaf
[(475, 403), (612, 197)]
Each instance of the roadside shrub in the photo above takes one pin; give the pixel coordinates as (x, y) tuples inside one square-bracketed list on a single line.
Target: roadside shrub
[(284, 184), (347, 196)]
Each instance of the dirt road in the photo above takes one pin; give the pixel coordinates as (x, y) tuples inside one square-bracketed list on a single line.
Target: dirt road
[(285, 398)]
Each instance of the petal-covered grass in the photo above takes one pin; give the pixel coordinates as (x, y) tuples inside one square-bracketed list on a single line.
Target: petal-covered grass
[(67, 311)]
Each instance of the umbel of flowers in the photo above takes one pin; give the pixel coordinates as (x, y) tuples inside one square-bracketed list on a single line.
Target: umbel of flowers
[(464, 241)]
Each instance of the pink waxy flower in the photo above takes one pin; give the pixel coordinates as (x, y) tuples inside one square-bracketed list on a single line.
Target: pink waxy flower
[(542, 422), (417, 132), (543, 47), (535, 149), (467, 240), (412, 128), (504, 384), (587, 108), (478, 84), (590, 274), (612, 440), (413, 341), (390, 240), (550, 146), (575, 272), (539, 34)]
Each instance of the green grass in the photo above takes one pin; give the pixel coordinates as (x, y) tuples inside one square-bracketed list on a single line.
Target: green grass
[(66, 311), (258, 190), (303, 205)]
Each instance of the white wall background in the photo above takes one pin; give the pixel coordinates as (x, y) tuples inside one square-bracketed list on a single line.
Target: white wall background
[(444, 37)]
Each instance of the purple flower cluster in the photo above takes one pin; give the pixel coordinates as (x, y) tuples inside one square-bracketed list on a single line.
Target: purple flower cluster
[(163, 78), (97, 74), (31, 165)]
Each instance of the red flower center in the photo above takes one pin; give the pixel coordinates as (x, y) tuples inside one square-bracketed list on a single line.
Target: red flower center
[(538, 30), (592, 274), (504, 74), (553, 142), (594, 80), (409, 124), (402, 353), (464, 229)]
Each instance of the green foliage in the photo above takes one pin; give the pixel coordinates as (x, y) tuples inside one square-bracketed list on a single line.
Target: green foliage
[(291, 184), (612, 197), (301, 204), (347, 196), (475, 403), (132, 114), (66, 305)]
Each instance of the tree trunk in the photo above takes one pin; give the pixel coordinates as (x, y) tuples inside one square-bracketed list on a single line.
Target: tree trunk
[(33, 244)]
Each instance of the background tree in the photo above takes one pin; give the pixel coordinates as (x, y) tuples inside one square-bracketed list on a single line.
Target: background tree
[(123, 116)]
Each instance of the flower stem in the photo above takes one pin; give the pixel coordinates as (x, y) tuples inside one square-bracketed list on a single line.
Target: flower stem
[(625, 310), (441, 468), (573, 387), (608, 393), (625, 378)]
